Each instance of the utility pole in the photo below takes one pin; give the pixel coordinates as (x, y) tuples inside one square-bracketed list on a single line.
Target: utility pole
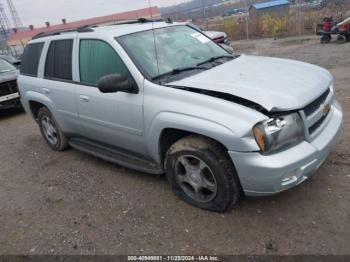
[(17, 23), (4, 22), (5, 26), (247, 19), (299, 10), (204, 15)]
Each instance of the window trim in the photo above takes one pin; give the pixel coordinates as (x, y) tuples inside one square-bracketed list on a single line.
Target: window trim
[(40, 56), (104, 41), (47, 53)]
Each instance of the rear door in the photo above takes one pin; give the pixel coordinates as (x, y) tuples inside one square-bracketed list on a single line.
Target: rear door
[(58, 83), (114, 118)]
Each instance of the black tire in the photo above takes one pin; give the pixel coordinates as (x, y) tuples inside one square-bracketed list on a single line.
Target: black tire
[(341, 39), (325, 39), (219, 164), (60, 143)]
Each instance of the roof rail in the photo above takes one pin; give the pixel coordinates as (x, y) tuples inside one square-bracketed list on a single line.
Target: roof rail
[(88, 28), (82, 29), (140, 21)]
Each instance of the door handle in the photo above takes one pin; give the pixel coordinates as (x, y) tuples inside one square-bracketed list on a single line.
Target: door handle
[(84, 99), (46, 91)]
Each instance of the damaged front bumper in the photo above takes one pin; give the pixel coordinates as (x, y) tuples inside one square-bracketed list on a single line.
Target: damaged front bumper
[(266, 175)]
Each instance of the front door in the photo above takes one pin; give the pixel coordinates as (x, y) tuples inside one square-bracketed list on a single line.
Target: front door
[(114, 118)]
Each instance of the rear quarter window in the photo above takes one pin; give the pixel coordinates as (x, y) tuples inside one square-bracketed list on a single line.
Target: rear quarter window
[(31, 58)]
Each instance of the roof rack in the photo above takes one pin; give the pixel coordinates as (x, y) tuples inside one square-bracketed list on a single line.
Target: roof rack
[(88, 28), (142, 21), (82, 29)]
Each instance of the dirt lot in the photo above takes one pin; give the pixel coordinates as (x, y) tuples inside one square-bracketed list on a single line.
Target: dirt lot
[(72, 203)]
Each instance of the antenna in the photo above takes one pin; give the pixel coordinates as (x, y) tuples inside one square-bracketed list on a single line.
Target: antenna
[(17, 23), (154, 37)]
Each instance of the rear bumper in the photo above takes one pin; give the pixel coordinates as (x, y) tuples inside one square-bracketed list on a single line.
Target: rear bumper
[(267, 175)]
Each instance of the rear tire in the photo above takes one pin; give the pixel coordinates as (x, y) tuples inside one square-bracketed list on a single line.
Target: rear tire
[(50, 130), (201, 173), (325, 39)]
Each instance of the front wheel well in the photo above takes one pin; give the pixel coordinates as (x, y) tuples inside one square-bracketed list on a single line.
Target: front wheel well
[(170, 136), (35, 107)]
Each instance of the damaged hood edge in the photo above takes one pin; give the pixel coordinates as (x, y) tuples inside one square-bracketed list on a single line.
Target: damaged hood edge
[(273, 83)]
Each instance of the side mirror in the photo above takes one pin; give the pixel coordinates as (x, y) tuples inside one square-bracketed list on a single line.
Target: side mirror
[(117, 83)]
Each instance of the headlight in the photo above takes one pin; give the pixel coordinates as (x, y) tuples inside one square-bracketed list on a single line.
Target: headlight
[(279, 133)]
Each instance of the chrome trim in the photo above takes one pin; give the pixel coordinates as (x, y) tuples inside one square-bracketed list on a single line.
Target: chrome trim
[(9, 97), (318, 114)]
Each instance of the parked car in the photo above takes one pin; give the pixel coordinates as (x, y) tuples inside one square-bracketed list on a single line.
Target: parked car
[(12, 60), (236, 11), (221, 39), (218, 125), (9, 96), (218, 37)]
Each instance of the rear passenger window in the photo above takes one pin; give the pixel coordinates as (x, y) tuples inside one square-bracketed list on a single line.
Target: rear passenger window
[(98, 59), (31, 58), (59, 60)]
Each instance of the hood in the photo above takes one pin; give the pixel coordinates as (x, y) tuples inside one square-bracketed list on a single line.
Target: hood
[(8, 76), (275, 84)]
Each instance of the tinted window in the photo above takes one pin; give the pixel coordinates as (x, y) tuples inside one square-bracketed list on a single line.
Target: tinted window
[(98, 59), (30, 59), (59, 60)]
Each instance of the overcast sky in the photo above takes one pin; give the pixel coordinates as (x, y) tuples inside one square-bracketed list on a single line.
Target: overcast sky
[(37, 12)]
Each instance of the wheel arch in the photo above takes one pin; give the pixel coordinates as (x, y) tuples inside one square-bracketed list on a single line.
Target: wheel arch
[(36, 101), (170, 136), (168, 127)]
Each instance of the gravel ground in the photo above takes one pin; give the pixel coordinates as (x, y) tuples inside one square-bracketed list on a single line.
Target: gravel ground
[(72, 203)]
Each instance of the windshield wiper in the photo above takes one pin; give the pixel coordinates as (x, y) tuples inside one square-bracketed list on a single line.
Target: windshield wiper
[(179, 70), (214, 58)]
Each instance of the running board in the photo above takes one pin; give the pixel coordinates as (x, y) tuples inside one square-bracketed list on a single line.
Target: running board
[(115, 156)]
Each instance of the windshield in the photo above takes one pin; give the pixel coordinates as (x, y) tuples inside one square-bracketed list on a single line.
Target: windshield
[(6, 66), (174, 47)]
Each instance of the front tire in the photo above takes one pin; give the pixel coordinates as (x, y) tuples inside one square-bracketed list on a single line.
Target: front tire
[(341, 39), (50, 130), (201, 173)]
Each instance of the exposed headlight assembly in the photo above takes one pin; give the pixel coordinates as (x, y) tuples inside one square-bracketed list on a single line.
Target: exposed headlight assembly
[(279, 133)]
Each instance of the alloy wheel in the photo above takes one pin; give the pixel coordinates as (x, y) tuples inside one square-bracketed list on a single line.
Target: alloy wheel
[(196, 178), (49, 130)]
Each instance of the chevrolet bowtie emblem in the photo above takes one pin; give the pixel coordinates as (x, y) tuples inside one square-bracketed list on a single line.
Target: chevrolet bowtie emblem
[(326, 109)]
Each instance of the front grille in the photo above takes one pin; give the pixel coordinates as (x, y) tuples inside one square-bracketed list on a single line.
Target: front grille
[(314, 106), (315, 126), (8, 88), (315, 116)]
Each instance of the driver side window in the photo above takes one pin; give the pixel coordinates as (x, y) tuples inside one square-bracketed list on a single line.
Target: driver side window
[(98, 59)]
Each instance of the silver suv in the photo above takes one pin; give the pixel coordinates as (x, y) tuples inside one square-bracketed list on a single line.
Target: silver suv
[(164, 98)]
